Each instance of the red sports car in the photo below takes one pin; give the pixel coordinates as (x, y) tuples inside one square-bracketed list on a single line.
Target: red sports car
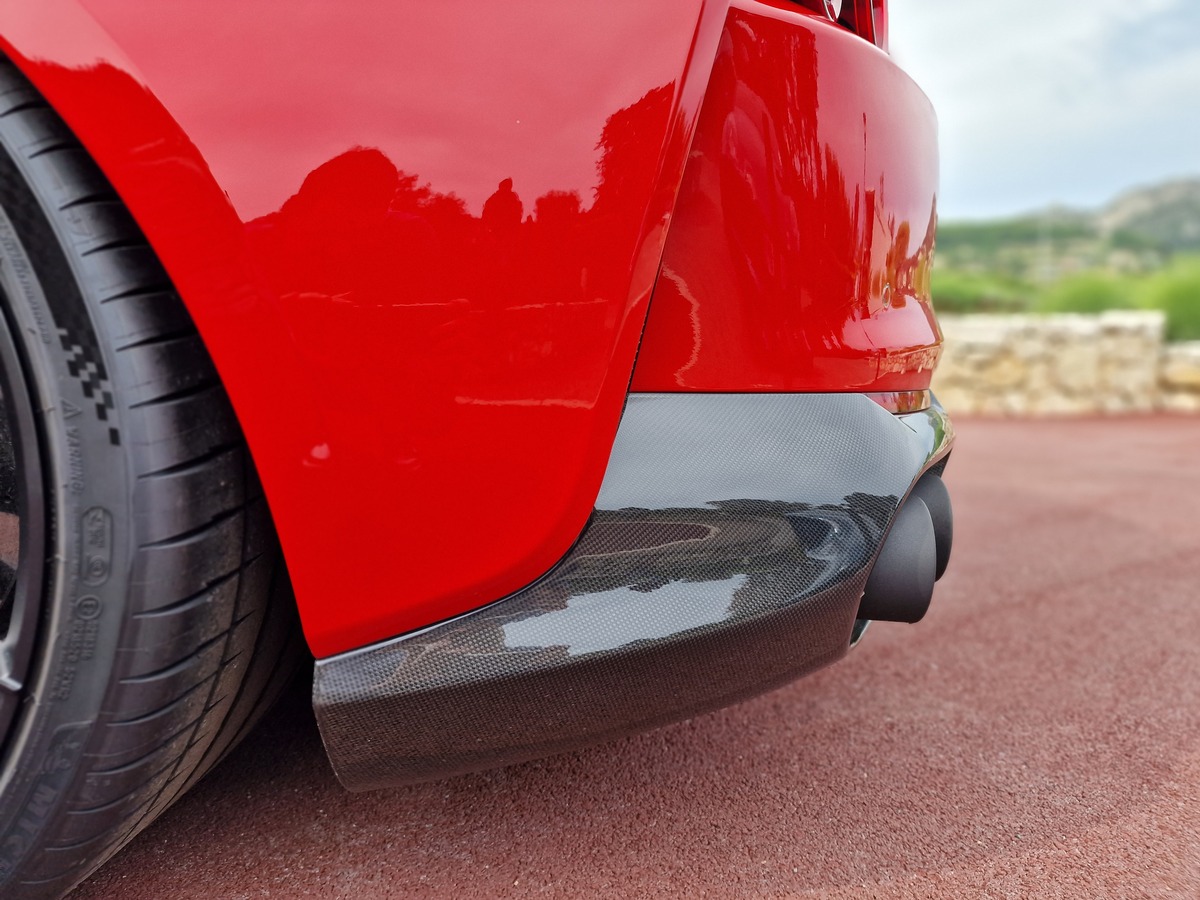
[(563, 368)]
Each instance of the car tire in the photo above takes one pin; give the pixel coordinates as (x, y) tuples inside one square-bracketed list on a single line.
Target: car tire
[(148, 620)]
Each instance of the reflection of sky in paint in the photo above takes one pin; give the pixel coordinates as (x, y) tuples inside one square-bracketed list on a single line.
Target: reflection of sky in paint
[(607, 620), (445, 90), (1054, 102)]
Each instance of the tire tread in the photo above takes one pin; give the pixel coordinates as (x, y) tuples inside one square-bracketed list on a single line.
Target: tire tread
[(210, 636)]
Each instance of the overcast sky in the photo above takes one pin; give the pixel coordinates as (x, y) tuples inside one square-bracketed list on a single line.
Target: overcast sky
[(1044, 103)]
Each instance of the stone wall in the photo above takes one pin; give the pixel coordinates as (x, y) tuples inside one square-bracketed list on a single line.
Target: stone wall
[(1114, 362), (1179, 377)]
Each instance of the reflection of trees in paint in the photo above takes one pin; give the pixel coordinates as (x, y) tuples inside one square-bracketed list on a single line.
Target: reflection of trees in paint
[(369, 232), (624, 166), (518, 304), (503, 210)]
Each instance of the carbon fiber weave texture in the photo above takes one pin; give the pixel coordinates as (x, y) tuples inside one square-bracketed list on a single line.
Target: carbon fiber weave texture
[(727, 554)]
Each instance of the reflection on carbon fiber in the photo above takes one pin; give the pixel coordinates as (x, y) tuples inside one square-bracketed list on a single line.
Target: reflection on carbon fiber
[(647, 575), (662, 609), (636, 622)]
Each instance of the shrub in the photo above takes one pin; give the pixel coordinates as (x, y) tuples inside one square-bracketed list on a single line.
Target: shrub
[(1087, 292), (956, 291), (1176, 291)]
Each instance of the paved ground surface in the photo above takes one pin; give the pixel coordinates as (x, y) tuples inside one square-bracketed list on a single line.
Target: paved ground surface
[(1038, 735)]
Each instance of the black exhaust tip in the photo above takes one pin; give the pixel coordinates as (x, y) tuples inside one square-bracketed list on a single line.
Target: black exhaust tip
[(932, 491), (900, 586)]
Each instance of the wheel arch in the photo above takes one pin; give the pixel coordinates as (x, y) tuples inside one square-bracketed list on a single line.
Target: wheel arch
[(164, 181)]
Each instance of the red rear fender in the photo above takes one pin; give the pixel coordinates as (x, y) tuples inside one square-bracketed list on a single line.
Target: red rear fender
[(801, 247), (419, 241)]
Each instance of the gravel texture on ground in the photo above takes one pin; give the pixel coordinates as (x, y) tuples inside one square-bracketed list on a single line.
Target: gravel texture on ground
[(1038, 735)]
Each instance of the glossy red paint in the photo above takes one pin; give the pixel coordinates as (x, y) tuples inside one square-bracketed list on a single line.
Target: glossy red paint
[(419, 242), (879, 23), (800, 254), (420, 239)]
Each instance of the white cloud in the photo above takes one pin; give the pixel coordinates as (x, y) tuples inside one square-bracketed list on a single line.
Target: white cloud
[(1043, 103)]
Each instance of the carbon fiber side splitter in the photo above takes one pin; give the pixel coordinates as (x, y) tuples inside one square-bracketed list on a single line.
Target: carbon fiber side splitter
[(727, 555)]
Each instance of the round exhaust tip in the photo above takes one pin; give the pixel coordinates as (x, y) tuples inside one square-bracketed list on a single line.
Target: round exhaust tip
[(932, 491), (900, 586)]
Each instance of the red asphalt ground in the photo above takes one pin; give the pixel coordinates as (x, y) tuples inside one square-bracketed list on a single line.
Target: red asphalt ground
[(1038, 735)]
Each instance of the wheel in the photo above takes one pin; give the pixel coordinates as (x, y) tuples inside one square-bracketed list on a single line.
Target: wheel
[(145, 619)]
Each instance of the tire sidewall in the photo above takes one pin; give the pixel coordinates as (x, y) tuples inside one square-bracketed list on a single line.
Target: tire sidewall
[(87, 498)]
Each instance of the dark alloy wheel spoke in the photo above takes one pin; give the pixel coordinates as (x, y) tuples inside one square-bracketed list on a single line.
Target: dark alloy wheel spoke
[(22, 537), (10, 688)]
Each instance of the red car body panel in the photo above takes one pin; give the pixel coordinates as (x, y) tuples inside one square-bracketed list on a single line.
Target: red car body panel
[(420, 245), (800, 254)]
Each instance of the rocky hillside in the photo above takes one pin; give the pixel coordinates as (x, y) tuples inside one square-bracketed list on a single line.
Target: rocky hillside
[(1138, 231), (1166, 216)]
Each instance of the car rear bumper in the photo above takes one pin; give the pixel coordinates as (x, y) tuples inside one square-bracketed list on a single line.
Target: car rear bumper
[(728, 553)]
